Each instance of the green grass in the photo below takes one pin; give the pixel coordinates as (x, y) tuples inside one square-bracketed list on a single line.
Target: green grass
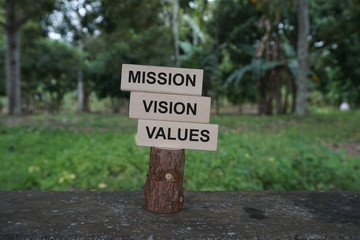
[(98, 152)]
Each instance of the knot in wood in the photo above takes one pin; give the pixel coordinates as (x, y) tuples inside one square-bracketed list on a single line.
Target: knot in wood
[(169, 177)]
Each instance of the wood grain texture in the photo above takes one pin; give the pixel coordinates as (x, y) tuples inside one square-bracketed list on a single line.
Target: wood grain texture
[(148, 106), (128, 82), (179, 135), (163, 189)]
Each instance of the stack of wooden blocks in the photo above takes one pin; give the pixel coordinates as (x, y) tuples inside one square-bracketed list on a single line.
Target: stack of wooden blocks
[(168, 103)]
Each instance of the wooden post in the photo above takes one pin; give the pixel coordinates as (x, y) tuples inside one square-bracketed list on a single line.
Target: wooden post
[(168, 126), (163, 189)]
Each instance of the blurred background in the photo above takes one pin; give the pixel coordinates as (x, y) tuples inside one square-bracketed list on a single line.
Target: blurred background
[(284, 79)]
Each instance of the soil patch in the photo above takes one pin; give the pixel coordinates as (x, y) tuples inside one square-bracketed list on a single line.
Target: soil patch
[(352, 149)]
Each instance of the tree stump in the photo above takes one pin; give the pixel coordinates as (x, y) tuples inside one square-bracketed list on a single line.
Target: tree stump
[(163, 189)]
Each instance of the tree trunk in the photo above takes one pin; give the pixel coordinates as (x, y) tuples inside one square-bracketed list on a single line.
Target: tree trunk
[(269, 89), (217, 103), (262, 97), (86, 100), (277, 83), (288, 84), (277, 92), (80, 92), (302, 57), (13, 87), (265, 84), (163, 189), (80, 86), (294, 93), (175, 31), (115, 105)]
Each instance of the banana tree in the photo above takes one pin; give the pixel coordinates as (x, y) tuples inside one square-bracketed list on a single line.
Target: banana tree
[(267, 90)]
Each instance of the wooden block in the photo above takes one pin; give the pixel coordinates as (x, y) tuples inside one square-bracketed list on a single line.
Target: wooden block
[(177, 135), (167, 107), (142, 78)]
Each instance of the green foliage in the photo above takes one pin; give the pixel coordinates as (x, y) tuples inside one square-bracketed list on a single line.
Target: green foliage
[(258, 67), (136, 15), (2, 64), (98, 152), (336, 67), (132, 33), (79, 19), (235, 22), (220, 37), (46, 83), (233, 30)]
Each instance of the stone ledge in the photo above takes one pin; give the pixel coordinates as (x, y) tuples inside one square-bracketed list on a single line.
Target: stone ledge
[(207, 215)]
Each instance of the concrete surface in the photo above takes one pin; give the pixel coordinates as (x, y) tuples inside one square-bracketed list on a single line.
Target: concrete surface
[(297, 215)]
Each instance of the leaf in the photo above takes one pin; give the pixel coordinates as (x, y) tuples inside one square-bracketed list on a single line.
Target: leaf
[(260, 66), (269, 65), (194, 26), (237, 75), (288, 49), (256, 68), (248, 48), (292, 65), (186, 47)]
